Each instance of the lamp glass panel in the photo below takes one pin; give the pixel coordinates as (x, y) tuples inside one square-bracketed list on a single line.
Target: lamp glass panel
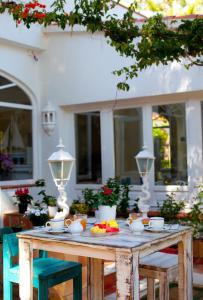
[(55, 167), (150, 162), (61, 169), (67, 167), (142, 165)]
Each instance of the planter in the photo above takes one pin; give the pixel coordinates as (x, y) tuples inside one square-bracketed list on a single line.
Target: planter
[(107, 212), (52, 210), (22, 207), (38, 220)]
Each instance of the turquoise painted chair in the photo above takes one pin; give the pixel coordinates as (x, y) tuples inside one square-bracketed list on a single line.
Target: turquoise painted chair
[(47, 272)]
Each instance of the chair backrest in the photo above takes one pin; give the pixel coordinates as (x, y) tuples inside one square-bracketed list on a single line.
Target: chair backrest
[(10, 245), (5, 230), (11, 249)]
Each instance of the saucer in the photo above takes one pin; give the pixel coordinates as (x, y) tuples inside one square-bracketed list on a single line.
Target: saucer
[(154, 229), (56, 231)]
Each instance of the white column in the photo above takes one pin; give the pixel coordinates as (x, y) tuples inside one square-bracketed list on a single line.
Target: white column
[(147, 137), (107, 144), (194, 144)]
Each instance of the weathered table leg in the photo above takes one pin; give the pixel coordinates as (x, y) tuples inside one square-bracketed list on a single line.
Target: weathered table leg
[(150, 289), (95, 279), (127, 276), (185, 267), (25, 270)]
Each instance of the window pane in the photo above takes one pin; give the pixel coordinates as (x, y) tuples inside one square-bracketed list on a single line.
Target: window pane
[(15, 144), (4, 81), (14, 95), (170, 147), (88, 147), (128, 142)]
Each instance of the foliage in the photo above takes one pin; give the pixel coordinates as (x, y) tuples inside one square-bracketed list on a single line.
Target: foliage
[(124, 200), (38, 216), (113, 193), (171, 8), (78, 207), (107, 196), (47, 199), (170, 208), (91, 198), (155, 42), (194, 219), (135, 206), (40, 182), (37, 213)]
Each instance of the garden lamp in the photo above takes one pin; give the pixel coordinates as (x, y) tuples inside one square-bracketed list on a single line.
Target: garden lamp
[(144, 161), (61, 164)]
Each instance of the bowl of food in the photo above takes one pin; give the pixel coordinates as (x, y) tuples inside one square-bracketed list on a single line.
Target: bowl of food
[(105, 228)]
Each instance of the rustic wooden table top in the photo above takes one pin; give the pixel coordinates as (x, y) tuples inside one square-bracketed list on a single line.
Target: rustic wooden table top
[(124, 239)]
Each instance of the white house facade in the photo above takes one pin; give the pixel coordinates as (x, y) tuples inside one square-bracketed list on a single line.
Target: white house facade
[(103, 128)]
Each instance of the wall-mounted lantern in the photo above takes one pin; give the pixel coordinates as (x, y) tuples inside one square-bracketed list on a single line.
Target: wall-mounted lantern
[(49, 118)]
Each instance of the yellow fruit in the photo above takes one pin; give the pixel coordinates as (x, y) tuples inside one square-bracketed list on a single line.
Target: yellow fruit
[(113, 224)]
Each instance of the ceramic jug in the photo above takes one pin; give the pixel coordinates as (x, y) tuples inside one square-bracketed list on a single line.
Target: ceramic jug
[(74, 227), (136, 225)]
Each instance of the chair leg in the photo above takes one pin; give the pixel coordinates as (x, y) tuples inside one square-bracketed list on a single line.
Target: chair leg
[(77, 287), (43, 290), (164, 287), (8, 290), (150, 289)]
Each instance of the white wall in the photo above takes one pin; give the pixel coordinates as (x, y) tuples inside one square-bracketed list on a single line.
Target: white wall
[(76, 68), (81, 65)]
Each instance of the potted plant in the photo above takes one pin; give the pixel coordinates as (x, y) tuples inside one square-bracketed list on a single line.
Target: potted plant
[(91, 200), (107, 202), (50, 201), (78, 207), (23, 198), (37, 215)]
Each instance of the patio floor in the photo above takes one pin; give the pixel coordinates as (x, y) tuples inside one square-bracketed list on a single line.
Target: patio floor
[(197, 294)]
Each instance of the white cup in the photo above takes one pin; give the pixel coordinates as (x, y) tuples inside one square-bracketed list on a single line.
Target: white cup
[(156, 222), (55, 223)]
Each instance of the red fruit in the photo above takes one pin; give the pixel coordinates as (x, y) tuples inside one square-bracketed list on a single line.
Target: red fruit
[(101, 226), (108, 229), (114, 229)]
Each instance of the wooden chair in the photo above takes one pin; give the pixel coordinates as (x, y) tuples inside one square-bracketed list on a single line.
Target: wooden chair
[(47, 272), (161, 266)]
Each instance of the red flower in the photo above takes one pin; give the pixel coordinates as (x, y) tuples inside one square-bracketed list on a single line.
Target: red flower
[(107, 191), (21, 192), (25, 13), (31, 5), (39, 15)]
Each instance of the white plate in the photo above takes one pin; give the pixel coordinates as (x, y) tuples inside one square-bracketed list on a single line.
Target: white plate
[(56, 231)]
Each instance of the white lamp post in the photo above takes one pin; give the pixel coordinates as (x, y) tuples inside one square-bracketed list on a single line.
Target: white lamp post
[(144, 161), (61, 164)]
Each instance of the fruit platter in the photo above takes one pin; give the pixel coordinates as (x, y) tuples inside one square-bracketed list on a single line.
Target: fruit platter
[(105, 228)]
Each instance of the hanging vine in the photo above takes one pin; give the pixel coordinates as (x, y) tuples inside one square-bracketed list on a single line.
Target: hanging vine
[(153, 43)]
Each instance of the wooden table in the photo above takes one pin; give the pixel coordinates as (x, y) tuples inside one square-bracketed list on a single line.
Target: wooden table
[(124, 248)]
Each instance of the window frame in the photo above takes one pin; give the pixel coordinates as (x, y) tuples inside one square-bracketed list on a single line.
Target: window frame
[(36, 162)]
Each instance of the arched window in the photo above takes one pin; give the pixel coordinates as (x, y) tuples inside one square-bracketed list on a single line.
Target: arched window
[(16, 154)]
